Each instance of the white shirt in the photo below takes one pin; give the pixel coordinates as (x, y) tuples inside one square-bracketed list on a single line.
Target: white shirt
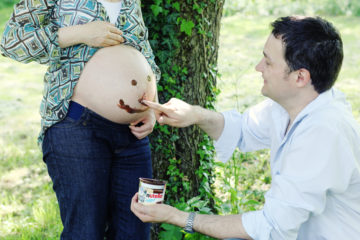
[(112, 9), (315, 168)]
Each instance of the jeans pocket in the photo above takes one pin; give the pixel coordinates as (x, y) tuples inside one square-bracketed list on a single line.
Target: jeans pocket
[(46, 146), (67, 122)]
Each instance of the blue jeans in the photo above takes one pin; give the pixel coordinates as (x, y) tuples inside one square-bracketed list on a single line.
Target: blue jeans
[(95, 166)]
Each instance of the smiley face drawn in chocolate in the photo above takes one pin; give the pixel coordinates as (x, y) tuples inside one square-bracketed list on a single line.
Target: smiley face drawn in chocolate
[(130, 110)]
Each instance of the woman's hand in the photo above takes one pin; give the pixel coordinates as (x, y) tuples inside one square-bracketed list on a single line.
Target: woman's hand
[(148, 123), (101, 34), (94, 34)]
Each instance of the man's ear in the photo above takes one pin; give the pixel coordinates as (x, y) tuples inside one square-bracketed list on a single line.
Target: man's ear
[(303, 77)]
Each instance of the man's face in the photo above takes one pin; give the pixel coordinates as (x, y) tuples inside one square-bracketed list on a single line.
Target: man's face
[(278, 84)]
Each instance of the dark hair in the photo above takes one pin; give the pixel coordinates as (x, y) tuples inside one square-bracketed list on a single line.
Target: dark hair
[(313, 44)]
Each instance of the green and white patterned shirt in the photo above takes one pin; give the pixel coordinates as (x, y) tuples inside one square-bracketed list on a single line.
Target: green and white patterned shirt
[(31, 35)]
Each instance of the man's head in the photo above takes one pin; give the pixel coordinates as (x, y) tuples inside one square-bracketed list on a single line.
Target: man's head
[(312, 44)]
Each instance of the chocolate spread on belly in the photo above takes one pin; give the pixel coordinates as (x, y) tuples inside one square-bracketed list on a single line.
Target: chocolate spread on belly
[(127, 108)]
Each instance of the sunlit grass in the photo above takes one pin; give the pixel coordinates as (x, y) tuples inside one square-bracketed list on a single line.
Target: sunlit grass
[(28, 207)]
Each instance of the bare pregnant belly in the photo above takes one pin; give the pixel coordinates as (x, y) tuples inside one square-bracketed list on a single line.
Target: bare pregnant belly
[(114, 82)]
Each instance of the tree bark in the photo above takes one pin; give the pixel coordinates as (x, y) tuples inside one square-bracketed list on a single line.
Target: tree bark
[(197, 53)]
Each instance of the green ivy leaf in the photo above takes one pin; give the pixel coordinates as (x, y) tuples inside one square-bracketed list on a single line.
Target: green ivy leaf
[(187, 26), (156, 10), (171, 232), (197, 8), (176, 5)]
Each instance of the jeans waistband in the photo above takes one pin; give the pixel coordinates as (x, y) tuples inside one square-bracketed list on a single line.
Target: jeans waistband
[(75, 110)]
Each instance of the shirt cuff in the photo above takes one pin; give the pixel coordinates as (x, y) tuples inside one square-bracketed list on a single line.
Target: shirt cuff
[(230, 135), (256, 225)]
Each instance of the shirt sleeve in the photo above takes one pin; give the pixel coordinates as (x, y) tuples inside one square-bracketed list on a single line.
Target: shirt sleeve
[(29, 34), (138, 37), (248, 131), (147, 51), (317, 163)]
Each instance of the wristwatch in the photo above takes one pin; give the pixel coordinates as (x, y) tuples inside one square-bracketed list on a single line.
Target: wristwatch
[(190, 223)]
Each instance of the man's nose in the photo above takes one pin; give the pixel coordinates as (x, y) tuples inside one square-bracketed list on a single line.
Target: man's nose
[(259, 67)]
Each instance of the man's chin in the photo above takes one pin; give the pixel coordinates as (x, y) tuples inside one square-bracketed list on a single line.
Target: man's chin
[(263, 91)]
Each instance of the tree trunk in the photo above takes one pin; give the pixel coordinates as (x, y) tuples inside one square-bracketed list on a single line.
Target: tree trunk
[(198, 54)]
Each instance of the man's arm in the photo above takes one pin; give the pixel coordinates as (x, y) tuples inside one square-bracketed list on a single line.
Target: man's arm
[(212, 225), (210, 122), (220, 226), (178, 113)]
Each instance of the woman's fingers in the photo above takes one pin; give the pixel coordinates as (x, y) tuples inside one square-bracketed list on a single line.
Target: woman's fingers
[(102, 34), (110, 42), (115, 30), (142, 131), (116, 34), (115, 37), (140, 135)]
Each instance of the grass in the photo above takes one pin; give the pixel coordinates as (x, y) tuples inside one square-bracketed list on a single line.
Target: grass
[(28, 207)]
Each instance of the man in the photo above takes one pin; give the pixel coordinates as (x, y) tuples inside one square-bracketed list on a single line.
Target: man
[(309, 128)]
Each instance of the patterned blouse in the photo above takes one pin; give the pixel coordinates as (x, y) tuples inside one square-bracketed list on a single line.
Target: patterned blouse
[(31, 35)]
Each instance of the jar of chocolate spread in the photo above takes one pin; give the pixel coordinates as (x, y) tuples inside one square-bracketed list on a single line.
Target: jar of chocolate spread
[(151, 191)]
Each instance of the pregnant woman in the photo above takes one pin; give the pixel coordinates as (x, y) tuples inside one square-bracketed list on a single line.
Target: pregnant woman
[(94, 126)]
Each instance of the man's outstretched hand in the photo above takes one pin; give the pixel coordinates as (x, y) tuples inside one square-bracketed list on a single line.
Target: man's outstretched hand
[(175, 112), (178, 113)]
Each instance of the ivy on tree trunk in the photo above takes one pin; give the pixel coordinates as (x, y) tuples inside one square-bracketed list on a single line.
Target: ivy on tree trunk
[(184, 35)]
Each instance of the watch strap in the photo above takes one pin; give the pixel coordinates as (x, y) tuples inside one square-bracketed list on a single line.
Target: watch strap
[(190, 223)]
